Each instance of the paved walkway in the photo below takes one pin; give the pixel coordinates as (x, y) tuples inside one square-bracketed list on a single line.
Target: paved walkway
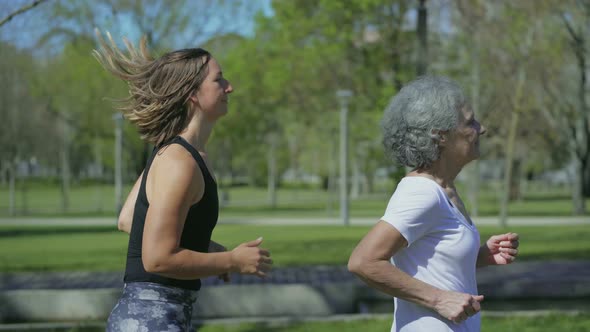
[(97, 221)]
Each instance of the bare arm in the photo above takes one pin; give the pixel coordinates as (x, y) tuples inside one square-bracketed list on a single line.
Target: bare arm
[(175, 182), (126, 215), (370, 262), (217, 247)]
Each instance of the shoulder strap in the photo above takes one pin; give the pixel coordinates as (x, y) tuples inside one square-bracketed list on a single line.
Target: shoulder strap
[(196, 155)]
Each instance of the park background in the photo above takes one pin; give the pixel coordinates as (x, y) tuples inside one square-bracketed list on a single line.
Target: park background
[(306, 74)]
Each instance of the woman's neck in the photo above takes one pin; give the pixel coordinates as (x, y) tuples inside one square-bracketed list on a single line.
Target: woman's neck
[(442, 173), (198, 131)]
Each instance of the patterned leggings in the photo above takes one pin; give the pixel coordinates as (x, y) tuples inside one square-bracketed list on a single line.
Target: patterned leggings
[(147, 306)]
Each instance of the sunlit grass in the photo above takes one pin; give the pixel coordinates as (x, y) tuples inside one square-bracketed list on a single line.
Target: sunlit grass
[(98, 200), (104, 248), (550, 323), (513, 323)]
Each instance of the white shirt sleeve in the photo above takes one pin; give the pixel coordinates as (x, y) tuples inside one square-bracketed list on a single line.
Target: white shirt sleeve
[(412, 211)]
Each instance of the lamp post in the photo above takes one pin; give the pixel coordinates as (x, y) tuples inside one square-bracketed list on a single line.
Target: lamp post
[(118, 118), (343, 98)]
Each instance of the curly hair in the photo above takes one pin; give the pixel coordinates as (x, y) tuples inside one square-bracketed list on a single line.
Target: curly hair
[(159, 89), (412, 122)]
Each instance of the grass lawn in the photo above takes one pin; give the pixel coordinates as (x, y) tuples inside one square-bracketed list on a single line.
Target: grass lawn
[(98, 200), (551, 323), (68, 248), (548, 323)]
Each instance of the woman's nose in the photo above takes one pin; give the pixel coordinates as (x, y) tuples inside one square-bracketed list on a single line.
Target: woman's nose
[(229, 88), (482, 129)]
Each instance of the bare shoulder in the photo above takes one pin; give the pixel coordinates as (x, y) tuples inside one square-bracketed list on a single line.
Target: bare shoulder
[(175, 172)]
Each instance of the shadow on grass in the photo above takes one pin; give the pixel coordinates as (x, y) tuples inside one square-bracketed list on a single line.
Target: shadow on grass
[(525, 212), (19, 231), (576, 254), (283, 325)]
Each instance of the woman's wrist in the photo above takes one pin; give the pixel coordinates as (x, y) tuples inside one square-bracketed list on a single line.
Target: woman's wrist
[(227, 263)]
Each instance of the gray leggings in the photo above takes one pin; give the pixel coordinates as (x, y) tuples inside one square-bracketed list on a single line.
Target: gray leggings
[(147, 306)]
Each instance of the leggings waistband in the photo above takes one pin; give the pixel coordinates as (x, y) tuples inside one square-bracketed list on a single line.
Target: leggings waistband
[(150, 291)]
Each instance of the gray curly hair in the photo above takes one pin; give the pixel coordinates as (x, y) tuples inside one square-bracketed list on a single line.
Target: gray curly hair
[(415, 117)]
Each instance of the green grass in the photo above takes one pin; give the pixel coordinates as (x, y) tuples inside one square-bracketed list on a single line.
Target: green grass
[(47, 248), (98, 200), (46, 200), (336, 326), (556, 322), (513, 323)]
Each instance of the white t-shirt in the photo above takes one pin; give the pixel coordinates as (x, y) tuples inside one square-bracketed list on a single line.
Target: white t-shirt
[(442, 251)]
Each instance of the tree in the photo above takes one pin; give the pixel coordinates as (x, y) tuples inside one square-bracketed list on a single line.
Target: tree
[(521, 49), (19, 11), (26, 131), (562, 100), (320, 47)]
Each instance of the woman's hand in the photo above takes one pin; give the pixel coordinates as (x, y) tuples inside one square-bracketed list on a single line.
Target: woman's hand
[(499, 250), (249, 258), (457, 307), (216, 247)]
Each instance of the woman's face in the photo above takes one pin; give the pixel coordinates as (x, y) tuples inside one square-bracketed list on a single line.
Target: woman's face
[(212, 96), (463, 143)]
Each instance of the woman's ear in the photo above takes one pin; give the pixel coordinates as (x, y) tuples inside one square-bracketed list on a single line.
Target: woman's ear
[(193, 97), (441, 136)]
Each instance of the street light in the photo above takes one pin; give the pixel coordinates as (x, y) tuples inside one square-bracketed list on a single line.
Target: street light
[(118, 118), (343, 98)]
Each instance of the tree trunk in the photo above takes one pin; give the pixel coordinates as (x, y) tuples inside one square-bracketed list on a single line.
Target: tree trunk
[(585, 178), (422, 32), (508, 163), (582, 130), (583, 121), (578, 188), (64, 155), (293, 156), (3, 174), (272, 171), (11, 188), (24, 210), (355, 187), (510, 146), (370, 182), (99, 174), (332, 177), (515, 178)]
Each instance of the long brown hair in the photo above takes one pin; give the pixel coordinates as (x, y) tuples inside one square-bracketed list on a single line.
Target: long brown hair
[(159, 89)]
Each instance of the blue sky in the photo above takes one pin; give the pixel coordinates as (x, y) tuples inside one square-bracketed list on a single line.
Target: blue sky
[(25, 30)]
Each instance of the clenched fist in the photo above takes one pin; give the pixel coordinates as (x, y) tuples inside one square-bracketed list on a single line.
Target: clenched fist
[(249, 258)]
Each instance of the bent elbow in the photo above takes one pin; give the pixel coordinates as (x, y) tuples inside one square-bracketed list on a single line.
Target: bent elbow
[(124, 224), (153, 265), (355, 264), (121, 225)]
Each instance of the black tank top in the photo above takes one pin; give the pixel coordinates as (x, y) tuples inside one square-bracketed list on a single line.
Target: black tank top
[(198, 226)]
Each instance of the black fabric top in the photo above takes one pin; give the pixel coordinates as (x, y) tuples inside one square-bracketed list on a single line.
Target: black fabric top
[(198, 226)]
